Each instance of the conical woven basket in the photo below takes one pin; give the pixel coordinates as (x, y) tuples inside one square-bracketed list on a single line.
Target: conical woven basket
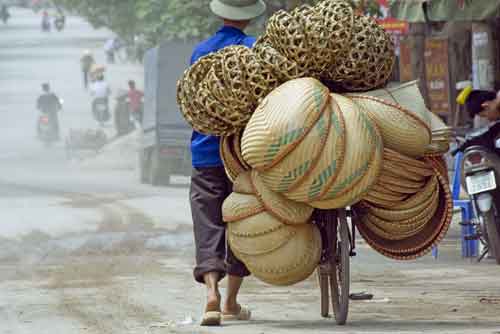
[(282, 121), (299, 164), (293, 262), (239, 206), (362, 163), (408, 97), (285, 210), (401, 130)]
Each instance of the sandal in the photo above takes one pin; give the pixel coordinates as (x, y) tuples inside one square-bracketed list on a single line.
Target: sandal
[(243, 315), (211, 318)]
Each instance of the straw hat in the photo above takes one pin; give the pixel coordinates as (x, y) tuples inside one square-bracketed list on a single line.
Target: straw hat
[(238, 10), (285, 210)]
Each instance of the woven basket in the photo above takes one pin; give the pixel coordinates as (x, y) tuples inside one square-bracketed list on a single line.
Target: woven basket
[(420, 196), (285, 210), (408, 97), (232, 164), (239, 206), (282, 121), (421, 243), (218, 94), (243, 184), (291, 263), (299, 164), (401, 130), (260, 242), (362, 163)]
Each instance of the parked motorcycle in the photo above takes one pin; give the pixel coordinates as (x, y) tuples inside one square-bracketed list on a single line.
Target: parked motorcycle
[(481, 174), (100, 109)]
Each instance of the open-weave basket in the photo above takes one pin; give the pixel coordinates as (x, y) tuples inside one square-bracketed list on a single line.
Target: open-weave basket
[(218, 94), (232, 164)]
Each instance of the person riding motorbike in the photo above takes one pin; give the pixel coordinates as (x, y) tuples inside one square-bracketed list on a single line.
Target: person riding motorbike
[(101, 91), (49, 105), (60, 20), (4, 13), (46, 21)]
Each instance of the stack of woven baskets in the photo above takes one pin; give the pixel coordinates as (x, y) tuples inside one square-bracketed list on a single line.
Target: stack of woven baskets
[(297, 135)]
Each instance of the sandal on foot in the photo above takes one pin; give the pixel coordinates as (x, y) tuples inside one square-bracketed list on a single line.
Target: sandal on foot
[(211, 318), (244, 314)]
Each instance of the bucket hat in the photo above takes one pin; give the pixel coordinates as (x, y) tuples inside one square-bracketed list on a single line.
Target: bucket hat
[(238, 10)]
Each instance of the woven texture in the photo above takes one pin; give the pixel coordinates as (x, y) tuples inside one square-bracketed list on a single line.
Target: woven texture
[(218, 94)]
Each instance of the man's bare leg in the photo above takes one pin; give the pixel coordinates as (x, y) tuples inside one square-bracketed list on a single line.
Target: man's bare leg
[(213, 295), (231, 305)]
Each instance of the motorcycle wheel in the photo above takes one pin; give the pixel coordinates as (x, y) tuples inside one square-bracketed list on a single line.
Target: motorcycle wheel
[(493, 234)]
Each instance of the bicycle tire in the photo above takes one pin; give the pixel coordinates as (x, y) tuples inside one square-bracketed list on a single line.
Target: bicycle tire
[(340, 274)]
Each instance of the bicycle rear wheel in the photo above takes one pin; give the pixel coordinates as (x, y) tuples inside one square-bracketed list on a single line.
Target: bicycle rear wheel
[(340, 273)]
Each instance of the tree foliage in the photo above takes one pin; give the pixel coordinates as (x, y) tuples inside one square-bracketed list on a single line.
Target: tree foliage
[(158, 20)]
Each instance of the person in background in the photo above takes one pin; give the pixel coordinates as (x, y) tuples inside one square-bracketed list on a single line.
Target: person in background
[(483, 103), (46, 21), (210, 185), (109, 49), (86, 63), (135, 97), (49, 104), (4, 13), (101, 92)]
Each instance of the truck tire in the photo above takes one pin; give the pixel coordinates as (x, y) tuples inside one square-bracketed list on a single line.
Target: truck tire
[(145, 166), (493, 234), (159, 175)]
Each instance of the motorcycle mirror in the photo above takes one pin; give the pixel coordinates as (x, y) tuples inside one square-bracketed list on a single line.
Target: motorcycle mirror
[(497, 143)]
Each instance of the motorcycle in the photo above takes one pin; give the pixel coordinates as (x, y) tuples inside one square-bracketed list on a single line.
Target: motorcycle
[(481, 174), (48, 131), (100, 109)]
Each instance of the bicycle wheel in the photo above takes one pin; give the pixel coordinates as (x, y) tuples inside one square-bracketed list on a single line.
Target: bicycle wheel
[(340, 275), (323, 275)]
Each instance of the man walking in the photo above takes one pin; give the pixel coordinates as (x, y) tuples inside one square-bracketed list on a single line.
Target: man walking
[(210, 185)]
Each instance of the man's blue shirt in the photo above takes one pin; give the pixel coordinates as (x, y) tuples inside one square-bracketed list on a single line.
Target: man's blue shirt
[(205, 149)]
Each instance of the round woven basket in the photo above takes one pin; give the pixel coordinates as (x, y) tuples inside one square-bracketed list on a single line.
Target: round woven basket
[(420, 196), (282, 121), (239, 206), (243, 184), (232, 164), (362, 162), (260, 242), (401, 130), (421, 243), (298, 165), (285, 210), (291, 263)]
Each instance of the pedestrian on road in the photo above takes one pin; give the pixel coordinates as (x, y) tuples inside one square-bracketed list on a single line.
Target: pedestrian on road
[(210, 185), (86, 62), (49, 104), (135, 97)]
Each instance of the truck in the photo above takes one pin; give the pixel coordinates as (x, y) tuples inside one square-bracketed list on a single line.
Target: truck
[(165, 145)]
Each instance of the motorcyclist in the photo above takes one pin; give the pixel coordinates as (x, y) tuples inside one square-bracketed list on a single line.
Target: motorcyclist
[(101, 91), (484, 103), (49, 104), (60, 19), (4, 13)]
